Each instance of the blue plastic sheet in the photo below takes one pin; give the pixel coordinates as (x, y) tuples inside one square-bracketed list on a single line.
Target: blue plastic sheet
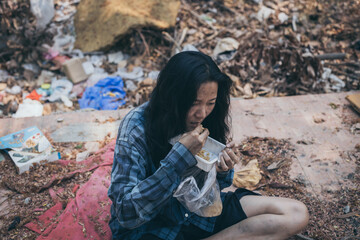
[(106, 94)]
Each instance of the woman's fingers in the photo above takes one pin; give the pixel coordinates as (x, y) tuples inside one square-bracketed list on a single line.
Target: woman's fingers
[(233, 156), (223, 166), (228, 161)]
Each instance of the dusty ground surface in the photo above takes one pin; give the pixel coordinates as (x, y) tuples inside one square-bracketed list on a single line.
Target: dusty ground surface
[(273, 59)]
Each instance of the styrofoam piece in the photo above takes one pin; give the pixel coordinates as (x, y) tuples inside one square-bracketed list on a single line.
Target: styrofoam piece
[(211, 146)]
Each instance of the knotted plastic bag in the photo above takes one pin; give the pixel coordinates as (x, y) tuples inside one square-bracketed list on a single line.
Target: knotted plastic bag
[(199, 192), (249, 176)]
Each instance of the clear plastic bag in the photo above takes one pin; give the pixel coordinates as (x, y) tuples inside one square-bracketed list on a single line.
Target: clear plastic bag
[(199, 192)]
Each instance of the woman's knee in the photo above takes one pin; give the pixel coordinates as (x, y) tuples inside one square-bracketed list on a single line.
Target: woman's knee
[(298, 213)]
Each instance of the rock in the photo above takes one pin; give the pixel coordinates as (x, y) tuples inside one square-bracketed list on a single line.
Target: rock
[(100, 23)]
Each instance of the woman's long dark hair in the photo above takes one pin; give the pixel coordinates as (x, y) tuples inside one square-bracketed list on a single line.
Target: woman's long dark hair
[(174, 94)]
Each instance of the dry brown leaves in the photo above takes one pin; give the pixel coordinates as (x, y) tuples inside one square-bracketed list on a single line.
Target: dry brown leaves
[(325, 216), (20, 41)]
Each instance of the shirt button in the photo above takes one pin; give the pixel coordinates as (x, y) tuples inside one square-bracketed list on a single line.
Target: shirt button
[(186, 215)]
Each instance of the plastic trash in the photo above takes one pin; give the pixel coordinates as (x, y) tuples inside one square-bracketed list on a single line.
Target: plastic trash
[(189, 47), (107, 94), (225, 49), (43, 10), (130, 85), (264, 13), (66, 101), (116, 57), (3, 75), (14, 90), (153, 75), (99, 73), (45, 77), (60, 87), (29, 108), (31, 67), (249, 176), (137, 73), (283, 17), (34, 95)]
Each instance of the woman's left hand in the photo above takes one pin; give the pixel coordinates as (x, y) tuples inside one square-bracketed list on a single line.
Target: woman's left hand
[(229, 157)]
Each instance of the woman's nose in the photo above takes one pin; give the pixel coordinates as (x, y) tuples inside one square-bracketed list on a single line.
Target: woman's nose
[(201, 112)]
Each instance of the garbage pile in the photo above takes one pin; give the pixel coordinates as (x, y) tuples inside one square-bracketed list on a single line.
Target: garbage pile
[(267, 48)]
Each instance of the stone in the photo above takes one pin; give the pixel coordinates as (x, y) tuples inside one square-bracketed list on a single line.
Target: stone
[(100, 23)]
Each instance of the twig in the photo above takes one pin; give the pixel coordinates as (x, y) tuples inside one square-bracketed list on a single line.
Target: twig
[(147, 51), (303, 237), (188, 8), (349, 64), (183, 35), (171, 39), (348, 214), (210, 37), (331, 56)]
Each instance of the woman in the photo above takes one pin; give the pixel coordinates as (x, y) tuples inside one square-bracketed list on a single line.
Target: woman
[(191, 92)]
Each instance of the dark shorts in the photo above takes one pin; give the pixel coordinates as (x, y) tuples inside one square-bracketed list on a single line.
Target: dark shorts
[(232, 213)]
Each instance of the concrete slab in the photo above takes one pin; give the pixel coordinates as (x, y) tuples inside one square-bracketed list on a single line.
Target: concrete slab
[(69, 127), (321, 161)]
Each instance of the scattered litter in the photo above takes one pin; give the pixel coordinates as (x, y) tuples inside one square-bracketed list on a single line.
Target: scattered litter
[(116, 57), (107, 94), (136, 74), (61, 87), (346, 209), (225, 49), (27, 200), (82, 156), (189, 47), (264, 13), (27, 147), (14, 90), (283, 17), (249, 176), (43, 10), (29, 108), (77, 69)]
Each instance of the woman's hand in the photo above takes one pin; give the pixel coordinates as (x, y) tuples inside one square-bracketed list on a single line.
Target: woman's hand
[(229, 157), (195, 139)]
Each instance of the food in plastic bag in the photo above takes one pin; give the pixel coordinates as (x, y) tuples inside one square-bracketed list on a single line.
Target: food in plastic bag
[(249, 176), (199, 192)]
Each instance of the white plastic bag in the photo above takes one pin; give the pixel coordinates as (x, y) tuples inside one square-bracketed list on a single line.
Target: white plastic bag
[(43, 10), (199, 192)]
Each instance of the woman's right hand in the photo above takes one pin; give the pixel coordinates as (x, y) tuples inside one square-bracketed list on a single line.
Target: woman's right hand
[(195, 139)]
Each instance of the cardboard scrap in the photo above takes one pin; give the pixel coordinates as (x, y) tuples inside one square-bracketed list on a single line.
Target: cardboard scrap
[(76, 69), (354, 99)]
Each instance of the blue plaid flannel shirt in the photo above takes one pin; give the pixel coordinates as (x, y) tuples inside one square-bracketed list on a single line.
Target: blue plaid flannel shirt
[(141, 195)]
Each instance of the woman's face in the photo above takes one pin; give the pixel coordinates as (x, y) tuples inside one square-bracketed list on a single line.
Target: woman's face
[(203, 105)]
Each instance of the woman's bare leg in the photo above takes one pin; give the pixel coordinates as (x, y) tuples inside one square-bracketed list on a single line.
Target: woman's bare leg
[(268, 218)]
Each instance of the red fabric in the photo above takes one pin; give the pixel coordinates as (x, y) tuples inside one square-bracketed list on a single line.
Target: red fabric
[(54, 195), (87, 215), (44, 221)]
